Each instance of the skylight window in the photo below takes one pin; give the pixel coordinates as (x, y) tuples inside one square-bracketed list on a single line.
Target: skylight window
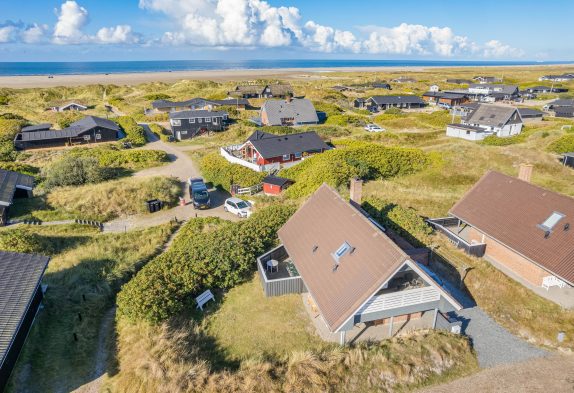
[(551, 221), (345, 249)]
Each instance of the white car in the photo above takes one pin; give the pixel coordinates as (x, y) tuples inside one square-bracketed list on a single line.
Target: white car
[(374, 128), (238, 207)]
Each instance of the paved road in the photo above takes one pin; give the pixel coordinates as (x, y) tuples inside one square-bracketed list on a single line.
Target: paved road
[(182, 167)]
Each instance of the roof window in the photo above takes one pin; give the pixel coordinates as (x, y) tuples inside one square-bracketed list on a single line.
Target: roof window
[(551, 221), (343, 250)]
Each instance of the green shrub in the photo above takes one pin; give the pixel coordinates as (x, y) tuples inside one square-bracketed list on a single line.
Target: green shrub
[(404, 221), (11, 116), (352, 159), (564, 144), (207, 253), (74, 171), (113, 157), (19, 167), (134, 132), (4, 100), (9, 128), (22, 240), (64, 119), (393, 111), (157, 96), (329, 109), (222, 173), (160, 132)]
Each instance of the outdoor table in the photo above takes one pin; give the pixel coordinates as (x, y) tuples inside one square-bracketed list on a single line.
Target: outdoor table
[(272, 264)]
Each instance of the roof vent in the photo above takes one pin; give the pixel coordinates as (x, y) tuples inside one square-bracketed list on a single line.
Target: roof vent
[(315, 248), (566, 226)]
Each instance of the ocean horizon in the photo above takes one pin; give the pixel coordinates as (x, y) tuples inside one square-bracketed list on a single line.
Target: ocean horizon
[(119, 67)]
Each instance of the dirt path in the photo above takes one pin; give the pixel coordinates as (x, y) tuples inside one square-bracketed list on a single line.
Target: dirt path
[(548, 374)]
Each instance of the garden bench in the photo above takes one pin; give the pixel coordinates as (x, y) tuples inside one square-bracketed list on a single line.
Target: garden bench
[(204, 298)]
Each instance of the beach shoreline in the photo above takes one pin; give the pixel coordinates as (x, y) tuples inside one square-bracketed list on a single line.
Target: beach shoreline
[(40, 81)]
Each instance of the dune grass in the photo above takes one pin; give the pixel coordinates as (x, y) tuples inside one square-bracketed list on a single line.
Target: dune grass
[(86, 270)]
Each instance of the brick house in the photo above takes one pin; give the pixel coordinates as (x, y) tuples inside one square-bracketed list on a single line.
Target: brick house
[(516, 225)]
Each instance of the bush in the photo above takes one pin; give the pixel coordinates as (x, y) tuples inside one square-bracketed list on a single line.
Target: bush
[(207, 253), (19, 167), (222, 173), (4, 100), (134, 132), (113, 157), (64, 119), (345, 120), (8, 130), (329, 109), (404, 221), (157, 96), (564, 144), (353, 159), (160, 132), (74, 171), (21, 240)]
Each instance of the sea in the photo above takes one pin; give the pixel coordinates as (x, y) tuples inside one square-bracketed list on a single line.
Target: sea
[(116, 67)]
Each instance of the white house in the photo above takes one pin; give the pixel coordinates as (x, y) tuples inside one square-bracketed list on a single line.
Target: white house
[(487, 120), (434, 88)]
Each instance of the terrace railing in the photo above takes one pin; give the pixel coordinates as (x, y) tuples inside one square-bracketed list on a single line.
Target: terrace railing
[(442, 224)]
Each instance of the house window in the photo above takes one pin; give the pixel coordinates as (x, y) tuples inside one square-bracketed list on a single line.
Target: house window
[(87, 137), (344, 249), (183, 132), (215, 120), (199, 120), (175, 122), (192, 121), (298, 155), (208, 119), (98, 136), (286, 157)]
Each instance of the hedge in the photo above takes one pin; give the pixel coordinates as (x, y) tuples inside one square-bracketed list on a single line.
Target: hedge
[(8, 130), (22, 240), (113, 157), (208, 253), (160, 132), (222, 173), (353, 159), (564, 144), (134, 132), (19, 167)]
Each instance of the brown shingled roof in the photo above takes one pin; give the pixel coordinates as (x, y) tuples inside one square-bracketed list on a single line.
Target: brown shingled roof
[(326, 221), (510, 211)]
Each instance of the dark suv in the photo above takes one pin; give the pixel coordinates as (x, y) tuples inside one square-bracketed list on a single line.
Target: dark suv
[(199, 194)]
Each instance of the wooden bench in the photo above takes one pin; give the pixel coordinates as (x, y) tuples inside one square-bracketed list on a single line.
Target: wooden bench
[(204, 298)]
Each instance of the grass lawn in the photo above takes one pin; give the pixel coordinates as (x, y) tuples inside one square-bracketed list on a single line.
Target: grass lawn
[(86, 264), (248, 324)]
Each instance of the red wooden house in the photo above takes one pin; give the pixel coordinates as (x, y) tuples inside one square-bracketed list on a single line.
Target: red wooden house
[(273, 185)]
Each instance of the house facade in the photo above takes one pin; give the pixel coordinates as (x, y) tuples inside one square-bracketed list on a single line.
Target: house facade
[(274, 185), (288, 112), (352, 273), (525, 229), (68, 106), (275, 90), (264, 152), (445, 98), (188, 124), (166, 106), (485, 120), (486, 92), (90, 129), (381, 103), (545, 89), (13, 185)]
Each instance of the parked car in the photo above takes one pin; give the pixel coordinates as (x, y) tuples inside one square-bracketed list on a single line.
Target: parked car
[(374, 128), (199, 194), (237, 206), (444, 105)]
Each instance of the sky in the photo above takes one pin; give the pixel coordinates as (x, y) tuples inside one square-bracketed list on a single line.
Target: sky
[(89, 30)]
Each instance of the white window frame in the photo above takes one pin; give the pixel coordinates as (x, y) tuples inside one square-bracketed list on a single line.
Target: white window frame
[(286, 157), (199, 120), (207, 119), (98, 136), (183, 132), (191, 121), (176, 122), (298, 155), (87, 137)]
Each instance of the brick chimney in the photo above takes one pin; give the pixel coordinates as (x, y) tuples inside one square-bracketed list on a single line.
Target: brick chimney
[(525, 172), (356, 191)]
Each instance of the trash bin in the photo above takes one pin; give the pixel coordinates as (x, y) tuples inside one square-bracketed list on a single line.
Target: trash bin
[(154, 205)]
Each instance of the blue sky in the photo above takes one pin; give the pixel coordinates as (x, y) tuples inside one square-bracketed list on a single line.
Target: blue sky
[(58, 30)]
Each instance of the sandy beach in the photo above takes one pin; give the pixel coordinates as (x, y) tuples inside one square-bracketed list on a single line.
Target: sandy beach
[(221, 75)]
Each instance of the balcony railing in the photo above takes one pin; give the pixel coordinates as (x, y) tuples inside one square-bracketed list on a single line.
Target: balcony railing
[(400, 299)]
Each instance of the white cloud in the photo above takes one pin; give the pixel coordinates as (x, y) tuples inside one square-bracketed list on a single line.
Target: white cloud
[(121, 34), (34, 33), (7, 33), (252, 23), (19, 32), (72, 18)]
